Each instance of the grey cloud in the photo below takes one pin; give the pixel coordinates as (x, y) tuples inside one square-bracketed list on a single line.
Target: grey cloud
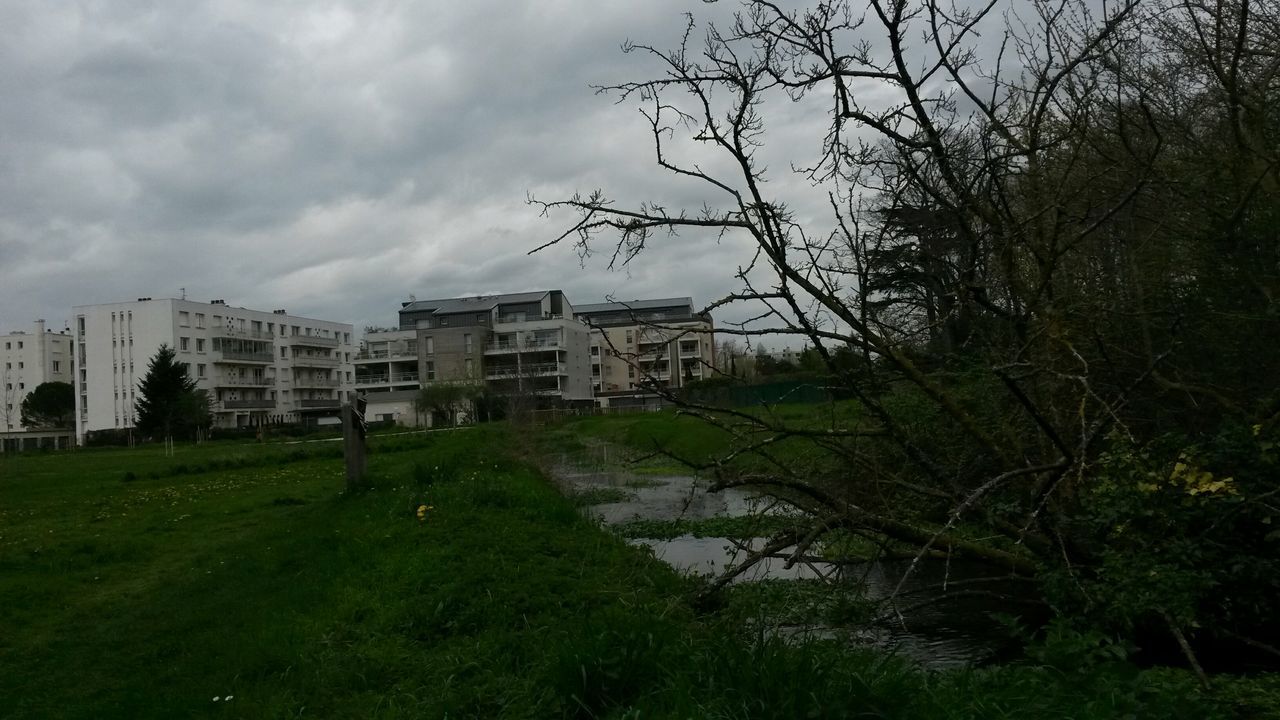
[(328, 158)]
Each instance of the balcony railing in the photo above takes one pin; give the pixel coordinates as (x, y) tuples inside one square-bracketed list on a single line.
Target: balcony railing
[(239, 356), (525, 346), (321, 404), (387, 355), (254, 404), (314, 361), (517, 319), (529, 370), (312, 341), (387, 379), (316, 382), (247, 381)]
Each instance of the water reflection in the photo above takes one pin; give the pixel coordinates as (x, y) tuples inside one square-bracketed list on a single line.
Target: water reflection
[(931, 620)]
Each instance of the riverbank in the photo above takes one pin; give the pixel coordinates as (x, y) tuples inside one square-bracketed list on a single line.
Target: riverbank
[(237, 580)]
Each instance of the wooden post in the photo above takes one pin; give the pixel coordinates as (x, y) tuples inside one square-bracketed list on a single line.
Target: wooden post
[(353, 445)]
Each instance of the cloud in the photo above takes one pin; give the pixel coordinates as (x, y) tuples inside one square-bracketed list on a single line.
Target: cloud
[(330, 158)]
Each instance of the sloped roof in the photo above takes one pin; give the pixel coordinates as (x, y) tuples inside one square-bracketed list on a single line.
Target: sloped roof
[(634, 305), (477, 303)]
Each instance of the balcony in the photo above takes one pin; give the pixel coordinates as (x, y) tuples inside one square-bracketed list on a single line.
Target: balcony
[(316, 383), (255, 404), (313, 341), (527, 370), (392, 379), (237, 356), (366, 355), (321, 404), (517, 319), (242, 334), (247, 381), (317, 361), (531, 345)]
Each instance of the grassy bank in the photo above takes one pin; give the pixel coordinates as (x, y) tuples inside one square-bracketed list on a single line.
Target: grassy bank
[(240, 570)]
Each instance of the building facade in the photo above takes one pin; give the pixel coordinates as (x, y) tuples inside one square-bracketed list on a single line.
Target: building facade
[(512, 344), (28, 359), (258, 367), (386, 372), (640, 346)]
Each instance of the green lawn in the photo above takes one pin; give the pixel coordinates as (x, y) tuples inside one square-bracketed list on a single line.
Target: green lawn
[(242, 570)]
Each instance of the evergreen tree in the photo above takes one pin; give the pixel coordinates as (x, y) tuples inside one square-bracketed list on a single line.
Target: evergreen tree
[(168, 401)]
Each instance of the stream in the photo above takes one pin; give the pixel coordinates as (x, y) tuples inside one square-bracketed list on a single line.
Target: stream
[(957, 632)]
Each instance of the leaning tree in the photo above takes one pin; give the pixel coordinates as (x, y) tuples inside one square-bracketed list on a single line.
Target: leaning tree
[(1049, 234)]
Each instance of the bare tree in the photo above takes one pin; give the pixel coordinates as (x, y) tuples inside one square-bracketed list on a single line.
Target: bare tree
[(1012, 192)]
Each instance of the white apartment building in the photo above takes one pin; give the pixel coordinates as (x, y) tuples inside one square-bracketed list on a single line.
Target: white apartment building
[(28, 359), (641, 345), (258, 366)]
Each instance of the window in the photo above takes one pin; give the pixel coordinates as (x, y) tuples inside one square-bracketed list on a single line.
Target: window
[(466, 343), (184, 344), (629, 337), (184, 318), (199, 320), (431, 345), (20, 363), (199, 344), (631, 371), (199, 369), (284, 351), (431, 371), (595, 350), (57, 366), (19, 344), (469, 367), (444, 322)]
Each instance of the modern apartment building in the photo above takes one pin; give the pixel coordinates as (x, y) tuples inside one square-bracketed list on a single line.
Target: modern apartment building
[(516, 343), (386, 372), (258, 366), (28, 359), (646, 344)]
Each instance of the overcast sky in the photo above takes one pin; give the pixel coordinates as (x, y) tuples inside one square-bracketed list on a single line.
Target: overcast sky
[(330, 158)]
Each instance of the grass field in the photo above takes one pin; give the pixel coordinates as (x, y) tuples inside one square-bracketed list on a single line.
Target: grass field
[(236, 580)]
